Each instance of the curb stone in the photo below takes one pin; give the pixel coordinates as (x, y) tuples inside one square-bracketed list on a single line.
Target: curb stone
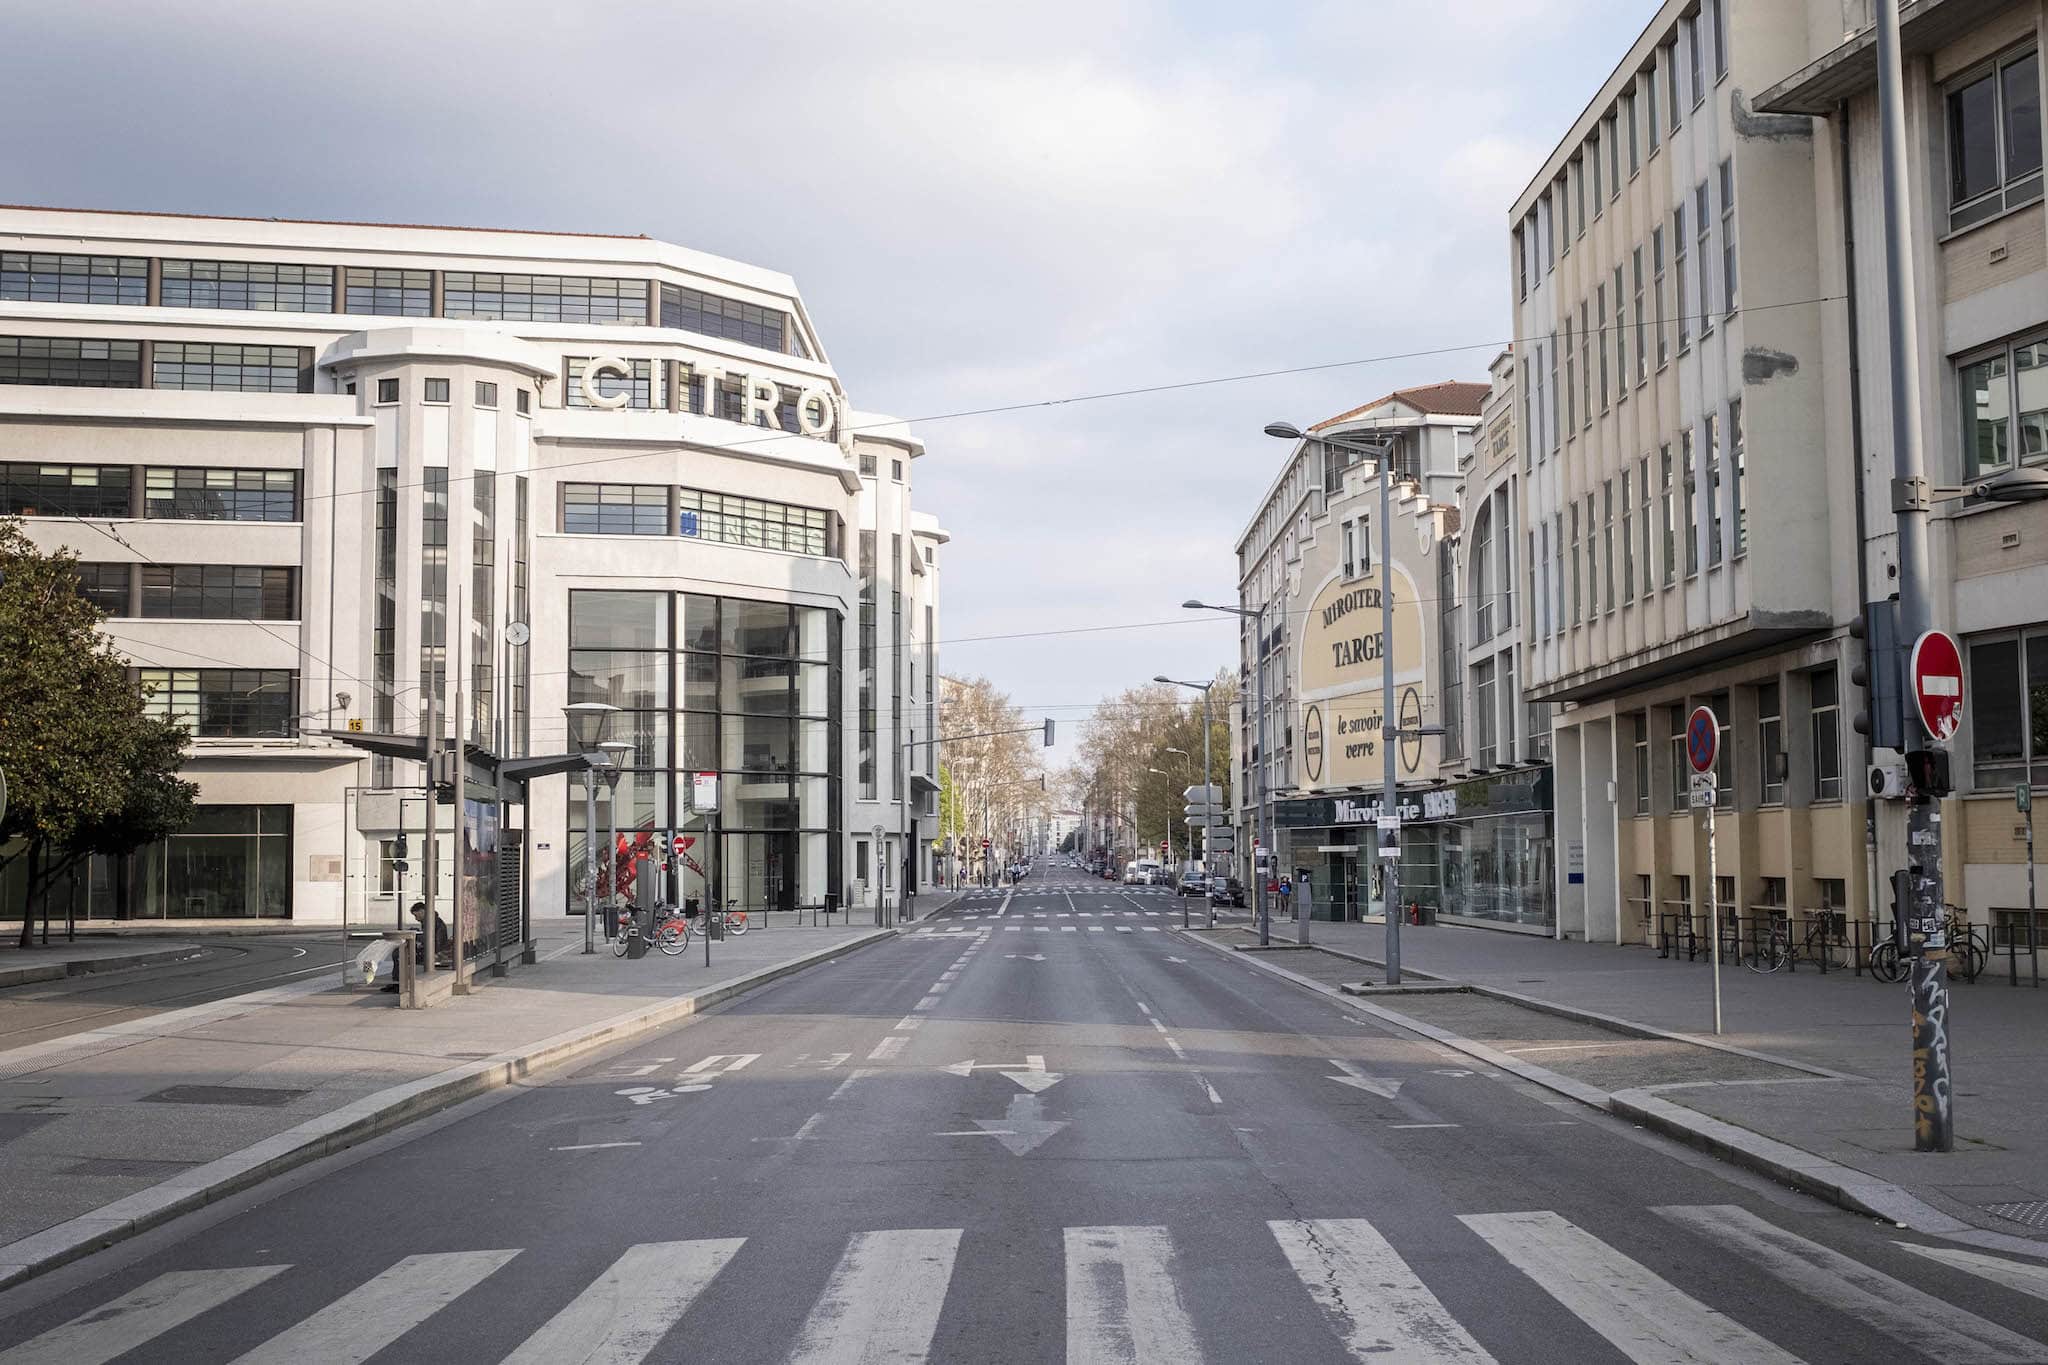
[(365, 1118), (94, 966), (1844, 1186)]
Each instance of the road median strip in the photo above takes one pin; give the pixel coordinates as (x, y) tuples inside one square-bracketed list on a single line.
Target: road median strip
[(369, 1117), (1844, 1186)]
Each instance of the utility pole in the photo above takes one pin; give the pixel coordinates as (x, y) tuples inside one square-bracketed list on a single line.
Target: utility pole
[(1933, 1112), (430, 862)]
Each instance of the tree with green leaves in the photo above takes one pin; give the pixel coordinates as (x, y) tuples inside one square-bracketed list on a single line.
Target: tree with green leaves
[(88, 769)]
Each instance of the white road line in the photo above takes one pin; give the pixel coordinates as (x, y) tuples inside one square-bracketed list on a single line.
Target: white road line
[(1379, 1306), (1122, 1307), (809, 1124), (926, 1003), (1422, 1125), (1150, 928), (1013, 928), (882, 1302), (1068, 929), (2026, 1277), (379, 1311), (138, 1316), (1927, 1324), (908, 1024), (624, 1313), (851, 1077), (1647, 1318), (1094, 928), (1123, 928), (1040, 929), (592, 1146), (1145, 1007), (1214, 1098), (887, 1049)]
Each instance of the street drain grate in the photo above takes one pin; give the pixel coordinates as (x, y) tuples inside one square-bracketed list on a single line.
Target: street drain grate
[(2033, 1213), (246, 1095)]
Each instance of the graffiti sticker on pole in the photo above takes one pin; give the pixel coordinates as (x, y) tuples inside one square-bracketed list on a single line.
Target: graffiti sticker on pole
[(1702, 739)]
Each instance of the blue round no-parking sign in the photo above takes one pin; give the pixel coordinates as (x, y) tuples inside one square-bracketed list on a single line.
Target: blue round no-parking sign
[(1702, 739)]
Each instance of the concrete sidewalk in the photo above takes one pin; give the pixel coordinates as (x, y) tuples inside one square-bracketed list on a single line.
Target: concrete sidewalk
[(85, 957), (103, 1134), (1821, 1064)]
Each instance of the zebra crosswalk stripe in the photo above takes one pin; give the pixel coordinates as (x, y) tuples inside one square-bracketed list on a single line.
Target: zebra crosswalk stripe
[(1378, 1305), (1644, 1316), (882, 1302), (2025, 1276), (615, 1320), (379, 1311), (138, 1316), (1122, 1307), (1918, 1319)]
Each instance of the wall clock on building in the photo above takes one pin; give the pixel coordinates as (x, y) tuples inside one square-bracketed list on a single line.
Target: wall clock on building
[(517, 634)]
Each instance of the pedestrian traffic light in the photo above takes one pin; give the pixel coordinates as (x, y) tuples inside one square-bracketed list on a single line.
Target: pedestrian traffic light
[(1927, 772), (1882, 715)]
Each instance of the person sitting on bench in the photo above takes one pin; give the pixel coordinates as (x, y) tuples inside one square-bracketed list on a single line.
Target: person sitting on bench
[(444, 938)]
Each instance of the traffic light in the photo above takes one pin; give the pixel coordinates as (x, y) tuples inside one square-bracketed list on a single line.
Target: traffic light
[(1883, 715), (441, 772), (1048, 732), (1927, 772)]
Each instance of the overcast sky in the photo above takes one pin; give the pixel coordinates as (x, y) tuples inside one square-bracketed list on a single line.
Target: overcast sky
[(983, 204)]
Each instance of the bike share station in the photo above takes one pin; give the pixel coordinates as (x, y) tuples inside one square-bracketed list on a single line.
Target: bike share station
[(642, 892)]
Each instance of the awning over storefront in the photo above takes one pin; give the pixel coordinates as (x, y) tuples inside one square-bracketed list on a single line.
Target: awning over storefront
[(1508, 793)]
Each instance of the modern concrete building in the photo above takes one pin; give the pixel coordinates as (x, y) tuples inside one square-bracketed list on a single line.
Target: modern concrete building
[(1973, 99), (1310, 558), (1692, 542), (344, 475)]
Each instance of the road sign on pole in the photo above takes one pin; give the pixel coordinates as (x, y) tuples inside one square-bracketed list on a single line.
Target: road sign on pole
[(1702, 747), (1702, 739), (1937, 674)]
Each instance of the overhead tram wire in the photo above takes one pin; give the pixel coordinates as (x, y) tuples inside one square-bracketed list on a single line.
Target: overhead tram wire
[(1145, 390)]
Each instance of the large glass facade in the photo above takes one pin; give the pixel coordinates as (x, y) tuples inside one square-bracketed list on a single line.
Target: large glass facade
[(742, 688), (231, 862)]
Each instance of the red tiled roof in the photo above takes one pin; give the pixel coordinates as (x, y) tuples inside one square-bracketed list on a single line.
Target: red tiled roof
[(326, 222), (1451, 398)]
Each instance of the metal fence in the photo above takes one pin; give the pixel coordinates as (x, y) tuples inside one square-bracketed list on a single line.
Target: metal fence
[(1823, 940)]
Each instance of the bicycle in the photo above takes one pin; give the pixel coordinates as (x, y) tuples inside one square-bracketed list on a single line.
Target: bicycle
[(671, 931), (1968, 951), (732, 921), (1779, 950)]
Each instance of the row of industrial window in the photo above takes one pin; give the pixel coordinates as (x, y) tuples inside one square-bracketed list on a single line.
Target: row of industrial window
[(1569, 368), (84, 362), (191, 592), (1617, 545), (223, 703), (1771, 758), (615, 509), (277, 287), (1561, 215), (435, 390), (168, 494), (868, 465)]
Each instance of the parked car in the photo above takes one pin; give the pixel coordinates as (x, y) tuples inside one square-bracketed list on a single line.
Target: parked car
[(1194, 883), (1226, 891)]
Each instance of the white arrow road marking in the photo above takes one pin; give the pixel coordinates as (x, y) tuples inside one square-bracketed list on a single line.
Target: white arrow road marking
[(1384, 1086), (1035, 1081), (1025, 1126)]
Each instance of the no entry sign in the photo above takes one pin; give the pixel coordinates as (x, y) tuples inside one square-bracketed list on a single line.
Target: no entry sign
[(1937, 679), (1702, 739)]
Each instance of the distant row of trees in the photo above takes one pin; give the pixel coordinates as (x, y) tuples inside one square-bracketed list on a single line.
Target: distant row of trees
[(89, 770), (993, 783), (1141, 729)]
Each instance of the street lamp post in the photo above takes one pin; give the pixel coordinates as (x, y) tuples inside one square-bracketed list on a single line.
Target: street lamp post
[(1167, 821), (1208, 805), (588, 721), (1263, 823), (1390, 734)]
